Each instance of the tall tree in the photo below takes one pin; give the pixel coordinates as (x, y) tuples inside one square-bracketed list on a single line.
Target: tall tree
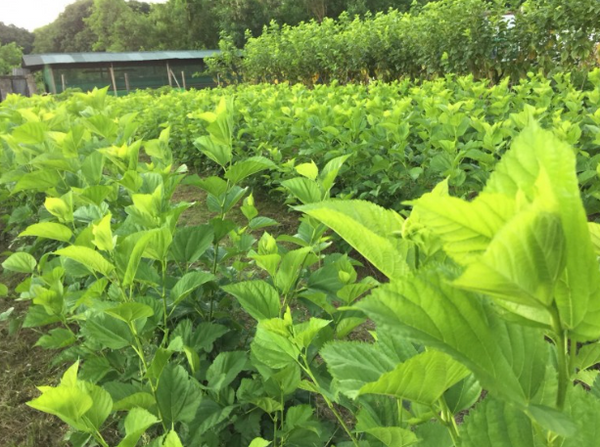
[(69, 32), (20, 36)]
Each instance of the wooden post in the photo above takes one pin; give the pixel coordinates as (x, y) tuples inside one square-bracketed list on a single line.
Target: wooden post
[(64, 84), (127, 82), (169, 75), (175, 79), (183, 80), (52, 82), (114, 81)]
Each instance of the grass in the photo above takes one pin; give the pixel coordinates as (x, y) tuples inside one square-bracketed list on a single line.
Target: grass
[(22, 367)]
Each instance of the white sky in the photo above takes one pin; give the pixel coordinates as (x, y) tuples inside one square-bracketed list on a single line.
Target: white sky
[(32, 14)]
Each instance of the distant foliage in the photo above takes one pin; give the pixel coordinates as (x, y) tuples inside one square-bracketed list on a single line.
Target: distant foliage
[(450, 36), (20, 36), (10, 57)]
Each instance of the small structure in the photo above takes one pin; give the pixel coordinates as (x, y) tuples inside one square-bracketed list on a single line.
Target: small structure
[(123, 72), (20, 82)]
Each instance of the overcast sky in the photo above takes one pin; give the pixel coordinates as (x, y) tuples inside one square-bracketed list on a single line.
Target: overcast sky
[(32, 14)]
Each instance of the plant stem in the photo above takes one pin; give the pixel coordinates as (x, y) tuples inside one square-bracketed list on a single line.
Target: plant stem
[(448, 420), (561, 340), (337, 415)]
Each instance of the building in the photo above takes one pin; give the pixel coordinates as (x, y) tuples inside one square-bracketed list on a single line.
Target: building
[(122, 72), (20, 82)]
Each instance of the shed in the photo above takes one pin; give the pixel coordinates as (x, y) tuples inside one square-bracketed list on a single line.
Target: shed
[(123, 72)]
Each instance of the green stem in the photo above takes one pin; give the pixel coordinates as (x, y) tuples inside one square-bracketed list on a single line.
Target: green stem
[(561, 340), (337, 415), (164, 300), (448, 420)]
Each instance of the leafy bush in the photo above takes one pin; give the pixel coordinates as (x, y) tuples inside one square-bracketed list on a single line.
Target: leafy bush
[(446, 37)]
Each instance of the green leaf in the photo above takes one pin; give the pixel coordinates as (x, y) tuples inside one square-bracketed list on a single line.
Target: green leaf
[(303, 189), (102, 406), (522, 264), (176, 395), (465, 228), (20, 262), (130, 312), (259, 442), (141, 400), (88, 257), (369, 229), (3, 290), (225, 368), (172, 440), (272, 347), (422, 379), (38, 181), (188, 283), (353, 364), (304, 333), (136, 423), (245, 168), (428, 310), (59, 208), (109, 332), (394, 436), (190, 243), (69, 403), (541, 166), (496, 424), (57, 338), (330, 171), (258, 298), (308, 170), (103, 238), (588, 356), (48, 230)]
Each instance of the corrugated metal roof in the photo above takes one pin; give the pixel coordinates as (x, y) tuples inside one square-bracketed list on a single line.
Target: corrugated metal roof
[(39, 60)]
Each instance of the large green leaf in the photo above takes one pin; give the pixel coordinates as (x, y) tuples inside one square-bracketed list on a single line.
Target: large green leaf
[(20, 262), (353, 364), (190, 243), (370, 229), (465, 228), (423, 379), (188, 283), (225, 368), (508, 359), (136, 423), (69, 403), (305, 190), (130, 312), (88, 257), (494, 423), (541, 166), (522, 264), (258, 298), (177, 395), (245, 168), (48, 230), (394, 436)]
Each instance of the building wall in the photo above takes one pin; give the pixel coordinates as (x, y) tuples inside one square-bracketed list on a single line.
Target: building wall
[(22, 85)]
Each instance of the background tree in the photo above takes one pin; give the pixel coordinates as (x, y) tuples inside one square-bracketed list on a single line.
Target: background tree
[(10, 57), (20, 36), (69, 32)]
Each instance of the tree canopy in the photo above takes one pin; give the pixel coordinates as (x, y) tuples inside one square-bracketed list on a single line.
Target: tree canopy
[(119, 25)]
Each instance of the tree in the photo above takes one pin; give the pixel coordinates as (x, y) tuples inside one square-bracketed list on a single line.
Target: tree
[(20, 36), (10, 57), (68, 33)]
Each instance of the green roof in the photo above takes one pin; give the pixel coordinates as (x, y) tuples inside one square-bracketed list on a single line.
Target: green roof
[(33, 61)]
